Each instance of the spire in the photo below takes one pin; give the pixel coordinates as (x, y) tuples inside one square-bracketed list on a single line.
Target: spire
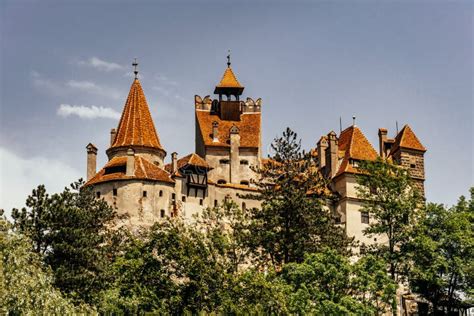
[(229, 83), (136, 126)]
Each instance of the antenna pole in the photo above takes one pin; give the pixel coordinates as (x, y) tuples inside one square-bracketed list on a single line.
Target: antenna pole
[(340, 124)]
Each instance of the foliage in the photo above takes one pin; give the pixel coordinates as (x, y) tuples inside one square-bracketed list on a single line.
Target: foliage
[(394, 205), (26, 284), (71, 230), (326, 283), (292, 219), (443, 253)]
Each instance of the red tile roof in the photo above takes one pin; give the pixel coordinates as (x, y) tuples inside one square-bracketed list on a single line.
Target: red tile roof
[(190, 160), (354, 145), (136, 125), (144, 170), (229, 80), (406, 138), (249, 127)]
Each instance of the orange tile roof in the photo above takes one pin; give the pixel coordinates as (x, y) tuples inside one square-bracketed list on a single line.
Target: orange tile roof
[(144, 170), (249, 127), (192, 160), (136, 125), (354, 145), (229, 80), (406, 138)]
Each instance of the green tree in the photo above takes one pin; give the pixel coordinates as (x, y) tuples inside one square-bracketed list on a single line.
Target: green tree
[(326, 283), (292, 219), (72, 230), (394, 205), (443, 253), (26, 284)]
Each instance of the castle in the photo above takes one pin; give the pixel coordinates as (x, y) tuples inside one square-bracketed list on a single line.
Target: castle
[(137, 182)]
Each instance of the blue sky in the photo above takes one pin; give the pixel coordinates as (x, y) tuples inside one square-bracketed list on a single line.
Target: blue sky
[(66, 71)]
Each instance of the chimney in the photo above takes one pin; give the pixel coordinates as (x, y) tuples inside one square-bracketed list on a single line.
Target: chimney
[(113, 133), (130, 169), (382, 140), (91, 160), (215, 125), (234, 154), (322, 147), (174, 162), (333, 154)]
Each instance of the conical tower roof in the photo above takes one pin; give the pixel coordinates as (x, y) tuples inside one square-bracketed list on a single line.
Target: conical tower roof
[(136, 126), (229, 80)]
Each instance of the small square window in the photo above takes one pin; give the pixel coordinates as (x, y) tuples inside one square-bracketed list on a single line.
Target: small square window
[(114, 192), (144, 193), (412, 165), (364, 217)]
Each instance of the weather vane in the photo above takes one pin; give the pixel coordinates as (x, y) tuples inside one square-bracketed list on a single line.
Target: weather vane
[(228, 59), (135, 71)]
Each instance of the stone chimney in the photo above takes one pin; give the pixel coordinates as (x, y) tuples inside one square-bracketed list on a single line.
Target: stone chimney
[(113, 133), (91, 160), (382, 141), (333, 154), (322, 147), (174, 162), (234, 154), (215, 125), (130, 169)]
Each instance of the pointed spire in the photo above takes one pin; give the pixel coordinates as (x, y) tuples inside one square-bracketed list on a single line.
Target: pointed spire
[(406, 138), (136, 126), (229, 83)]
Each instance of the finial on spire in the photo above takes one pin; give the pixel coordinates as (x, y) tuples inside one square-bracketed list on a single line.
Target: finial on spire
[(135, 65), (228, 59), (353, 121)]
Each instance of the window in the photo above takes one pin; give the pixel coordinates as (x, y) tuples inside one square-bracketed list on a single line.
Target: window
[(244, 206), (162, 213), (244, 162), (412, 165), (161, 193), (183, 198), (221, 181), (354, 162), (200, 202), (173, 196), (144, 193), (244, 182), (364, 217), (215, 203), (97, 194), (337, 219), (114, 192), (224, 161)]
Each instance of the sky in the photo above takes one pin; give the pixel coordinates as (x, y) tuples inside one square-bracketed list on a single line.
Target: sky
[(66, 71)]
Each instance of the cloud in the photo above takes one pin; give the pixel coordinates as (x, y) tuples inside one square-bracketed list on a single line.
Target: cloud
[(87, 112), (19, 176), (91, 87), (165, 80), (100, 64), (46, 84)]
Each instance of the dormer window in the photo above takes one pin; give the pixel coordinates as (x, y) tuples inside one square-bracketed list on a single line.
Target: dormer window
[(354, 163)]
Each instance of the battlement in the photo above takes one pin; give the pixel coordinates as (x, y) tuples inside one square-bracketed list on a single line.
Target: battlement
[(227, 108)]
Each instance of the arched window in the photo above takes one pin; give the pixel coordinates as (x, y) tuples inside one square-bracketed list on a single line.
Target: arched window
[(161, 193)]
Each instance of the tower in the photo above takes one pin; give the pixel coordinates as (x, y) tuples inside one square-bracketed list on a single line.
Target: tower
[(228, 133)]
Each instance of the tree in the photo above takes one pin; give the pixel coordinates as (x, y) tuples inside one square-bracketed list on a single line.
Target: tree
[(326, 283), (72, 230), (293, 218), (443, 252), (394, 205), (26, 284)]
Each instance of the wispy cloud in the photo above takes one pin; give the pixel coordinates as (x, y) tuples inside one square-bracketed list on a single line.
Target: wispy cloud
[(165, 80), (19, 175), (91, 87), (100, 64), (87, 112), (46, 84)]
